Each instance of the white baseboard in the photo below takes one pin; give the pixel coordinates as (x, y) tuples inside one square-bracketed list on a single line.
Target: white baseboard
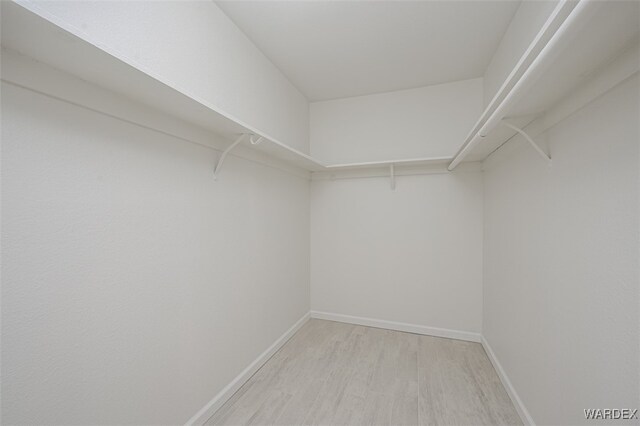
[(517, 402), (223, 396), (399, 326)]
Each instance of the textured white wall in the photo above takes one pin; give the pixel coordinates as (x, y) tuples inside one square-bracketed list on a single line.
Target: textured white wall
[(430, 121), (197, 47), (134, 286), (524, 26), (561, 263), (413, 255)]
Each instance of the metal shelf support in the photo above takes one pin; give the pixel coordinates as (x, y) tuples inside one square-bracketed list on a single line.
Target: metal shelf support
[(392, 176), (534, 145), (255, 140), (216, 170)]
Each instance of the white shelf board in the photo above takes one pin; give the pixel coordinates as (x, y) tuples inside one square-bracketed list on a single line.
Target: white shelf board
[(31, 32), (435, 161), (608, 30)]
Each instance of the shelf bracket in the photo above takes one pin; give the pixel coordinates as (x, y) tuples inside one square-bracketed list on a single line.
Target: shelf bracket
[(534, 145), (392, 176), (216, 170), (255, 140)]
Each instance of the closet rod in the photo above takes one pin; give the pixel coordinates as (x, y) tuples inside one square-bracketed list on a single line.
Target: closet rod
[(530, 74)]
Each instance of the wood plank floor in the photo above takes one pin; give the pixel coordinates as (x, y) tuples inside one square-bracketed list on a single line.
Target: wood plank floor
[(331, 373)]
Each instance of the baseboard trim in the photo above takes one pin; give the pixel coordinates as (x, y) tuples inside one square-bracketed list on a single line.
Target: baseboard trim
[(399, 326), (511, 391), (223, 396)]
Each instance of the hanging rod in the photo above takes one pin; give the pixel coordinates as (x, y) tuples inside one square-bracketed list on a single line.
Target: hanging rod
[(529, 75)]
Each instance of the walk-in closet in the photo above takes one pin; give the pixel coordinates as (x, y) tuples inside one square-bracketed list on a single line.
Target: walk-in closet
[(320, 212)]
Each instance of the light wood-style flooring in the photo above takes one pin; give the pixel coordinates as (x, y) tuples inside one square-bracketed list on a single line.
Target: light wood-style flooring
[(331, 373)]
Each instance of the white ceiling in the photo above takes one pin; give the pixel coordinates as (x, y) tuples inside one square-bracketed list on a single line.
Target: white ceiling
[(337, 49)]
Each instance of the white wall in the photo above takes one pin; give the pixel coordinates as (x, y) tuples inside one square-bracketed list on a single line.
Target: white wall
[(197, 47), (561, 263), (430, 121), (134, 286), (413, 255), (524, 26)]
